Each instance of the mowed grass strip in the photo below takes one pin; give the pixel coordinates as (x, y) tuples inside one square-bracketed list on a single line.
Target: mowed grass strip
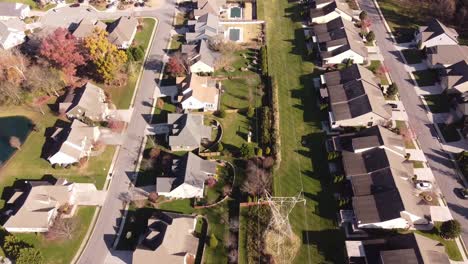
[(303, 167)]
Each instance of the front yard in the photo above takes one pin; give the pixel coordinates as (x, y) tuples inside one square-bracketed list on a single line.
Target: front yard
[(379, 70), (426, 77)]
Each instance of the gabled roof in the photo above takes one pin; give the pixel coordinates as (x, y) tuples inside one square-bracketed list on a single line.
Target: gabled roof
[(345, 37), (207, 56), (208, 6), (190, 169), (11, 26), (87, 26), (334, 24), (457, 73), (187, 129), (203, 88), (353, 72), (378, 207), (122, 29), (88, 98), (435, 28), (205, 26), (336, 4), (447, 54)]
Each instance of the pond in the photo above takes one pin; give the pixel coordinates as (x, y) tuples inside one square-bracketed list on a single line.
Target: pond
[(17, 126)]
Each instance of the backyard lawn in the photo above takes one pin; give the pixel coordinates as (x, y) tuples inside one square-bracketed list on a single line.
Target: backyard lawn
[(303, 168), (426, 77), (438, 103), (240, 93), (62, 250), (412, 56)]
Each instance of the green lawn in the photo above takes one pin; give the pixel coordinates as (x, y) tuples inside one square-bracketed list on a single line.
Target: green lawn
[(375, 68), (62, 250), (449, 132), (426, 77), (240, 93), (413, 56), (176, 42), (243, 222), (438, 103), (409, 144), (238, 60), (417, 164), (30, 154), (143, 37), (302, 168), (236, 126), (451, 247), (180, 20)]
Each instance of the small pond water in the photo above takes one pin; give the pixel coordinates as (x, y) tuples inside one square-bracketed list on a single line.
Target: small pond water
[(17, 126)]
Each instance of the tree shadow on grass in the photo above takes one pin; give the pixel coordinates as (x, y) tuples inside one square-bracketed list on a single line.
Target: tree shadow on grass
[(325, 241)]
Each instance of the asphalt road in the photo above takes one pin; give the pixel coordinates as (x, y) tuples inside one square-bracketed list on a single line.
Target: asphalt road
[(438, 160), (104, 233)]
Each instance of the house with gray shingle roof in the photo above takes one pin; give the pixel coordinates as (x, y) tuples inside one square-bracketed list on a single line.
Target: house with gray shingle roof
[(73, 143), (441, 56), (12, 33), (455, 77), (122, 32), (205, 27), (435, 33), (87, 26), (189, 174), (354, 97), (13, 10), (88, 102), (208, 7), (203, 61), (187, 131), (326, 11)]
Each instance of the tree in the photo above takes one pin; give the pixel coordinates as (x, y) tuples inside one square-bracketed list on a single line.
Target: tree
[(363, 15), (175, 66), (43, 80), (259, 152), (247, 151), (105, 56), (153, 196), (220, 147), (257, 181), (12, 246), (392, 89), (30, 255), (250, 111), (138, 53), (450, 229), (370, 37), (116, 126), (155, 152), (62, 50), (213, 241), (15, 142), (267, 151), (221, 113), (13, 65), (63, 228)]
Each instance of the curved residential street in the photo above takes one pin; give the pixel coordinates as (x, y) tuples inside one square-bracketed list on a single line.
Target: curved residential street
[(438, 160), (104, 234)]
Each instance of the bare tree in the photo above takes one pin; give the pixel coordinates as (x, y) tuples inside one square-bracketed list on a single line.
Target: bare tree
[(62, 228), (258, 180), (15, 142), (44, 80)]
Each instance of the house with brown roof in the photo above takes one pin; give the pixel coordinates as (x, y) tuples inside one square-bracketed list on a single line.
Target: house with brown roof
[(169, 238), (87, 102), (442, 56), (73, 143), (339, 41), (13, 10), (435, 33), (454, 79), (39, 203), (208, 7), (122, 31), (354, 98), (325, 11), (12, 33), (87, 26), (199, 93)]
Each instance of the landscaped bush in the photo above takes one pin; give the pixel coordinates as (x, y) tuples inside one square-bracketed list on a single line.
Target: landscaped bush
[(333, 155), (213, 241), (250, 111), (30, 255), (247, 151), (392, 89), (264, 59), (265, 116), (450, 229), (221, 113), (259, 218)]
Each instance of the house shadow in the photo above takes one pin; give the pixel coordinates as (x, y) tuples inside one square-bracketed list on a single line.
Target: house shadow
[(325, 242), (51, 146)]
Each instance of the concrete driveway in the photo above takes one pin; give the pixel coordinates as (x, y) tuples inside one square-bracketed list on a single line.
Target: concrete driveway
[(440, 163)]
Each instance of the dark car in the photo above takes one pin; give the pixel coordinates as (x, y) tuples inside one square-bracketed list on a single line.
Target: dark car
[(393, 106), (463, 192), (75, 5)]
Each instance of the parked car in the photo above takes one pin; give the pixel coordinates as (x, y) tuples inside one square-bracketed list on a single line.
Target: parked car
[(463, 192), (75, 5), (423, 186), (393, 106)]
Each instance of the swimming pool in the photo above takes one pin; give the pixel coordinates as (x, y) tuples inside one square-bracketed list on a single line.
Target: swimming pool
[(235, 12)]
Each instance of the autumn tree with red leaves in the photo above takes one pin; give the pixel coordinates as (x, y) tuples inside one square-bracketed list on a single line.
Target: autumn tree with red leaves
[(62, 50), (176, 67)]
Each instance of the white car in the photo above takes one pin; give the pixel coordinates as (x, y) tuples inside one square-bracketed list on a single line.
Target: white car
[(424, 186)]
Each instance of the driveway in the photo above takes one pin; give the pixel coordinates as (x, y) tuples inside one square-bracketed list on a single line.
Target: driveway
[(440, 163), (104, 233)]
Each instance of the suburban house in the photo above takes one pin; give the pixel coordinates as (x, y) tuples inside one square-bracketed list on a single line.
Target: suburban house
[(87, 26), (40, 203), (122, 31), (73, 143), (199, 92), (205, 27), (454, 79), (13, 10), (87, 102), (169, 238), (188, 177), (12, 33), (435, 33), (381, 179), (339, 41), (201, 57), (187, 131), (208, 7), (442, 56), (325, 11), (354, 98), (408, 248), (461, 111)]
